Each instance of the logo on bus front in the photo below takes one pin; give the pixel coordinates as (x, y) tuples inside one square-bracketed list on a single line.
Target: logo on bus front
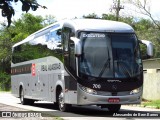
[(94, 35)]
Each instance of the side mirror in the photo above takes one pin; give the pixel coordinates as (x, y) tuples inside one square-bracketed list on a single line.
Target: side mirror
[(78, 48), (149, 50)]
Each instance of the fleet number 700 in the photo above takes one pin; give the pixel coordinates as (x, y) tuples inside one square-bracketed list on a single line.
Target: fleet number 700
[(97, 86)]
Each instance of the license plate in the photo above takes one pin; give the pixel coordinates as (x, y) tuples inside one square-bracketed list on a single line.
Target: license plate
[(113, 100)]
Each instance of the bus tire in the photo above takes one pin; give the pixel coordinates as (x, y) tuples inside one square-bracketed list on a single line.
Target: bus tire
[(22, 99), (114, 107), (62, 106)]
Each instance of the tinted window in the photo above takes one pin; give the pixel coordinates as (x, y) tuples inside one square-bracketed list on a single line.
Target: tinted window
[(109, 55), (48, 44)]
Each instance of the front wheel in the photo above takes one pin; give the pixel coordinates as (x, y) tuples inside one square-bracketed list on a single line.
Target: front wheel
[(114, 107), (22, 99), (62, 106)]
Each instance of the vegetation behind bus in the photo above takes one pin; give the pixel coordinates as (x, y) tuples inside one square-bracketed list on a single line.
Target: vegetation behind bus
[(18, 31)]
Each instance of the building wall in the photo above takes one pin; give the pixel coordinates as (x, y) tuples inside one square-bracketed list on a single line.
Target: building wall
[(151, 88)]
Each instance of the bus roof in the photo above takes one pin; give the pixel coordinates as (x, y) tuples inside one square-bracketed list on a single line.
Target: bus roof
[(99, 25), (84, 25)]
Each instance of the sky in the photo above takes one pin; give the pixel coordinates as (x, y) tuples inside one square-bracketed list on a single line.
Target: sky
[(63, 9)]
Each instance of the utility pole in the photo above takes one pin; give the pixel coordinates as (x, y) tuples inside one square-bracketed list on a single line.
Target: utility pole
[(117, 8)]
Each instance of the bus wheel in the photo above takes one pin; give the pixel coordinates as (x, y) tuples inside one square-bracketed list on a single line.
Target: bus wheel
[(62, 106), (22, 99), (114, 107)]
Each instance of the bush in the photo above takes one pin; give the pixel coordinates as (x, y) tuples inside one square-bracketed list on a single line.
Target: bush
[(5, 81)]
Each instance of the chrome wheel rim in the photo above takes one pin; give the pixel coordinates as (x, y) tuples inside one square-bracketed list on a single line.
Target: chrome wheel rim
[(61, 100), (22, 96)]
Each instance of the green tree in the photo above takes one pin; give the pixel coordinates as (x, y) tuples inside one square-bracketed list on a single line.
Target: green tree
[(143, 25), (18, 31), (25, 26), (144, 9), (128, 20), (93, 15), (108, 17), (8, 10), (48, 19)]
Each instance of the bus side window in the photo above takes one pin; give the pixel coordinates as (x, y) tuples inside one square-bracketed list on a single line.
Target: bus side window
[(72, 54), (54, 42), (55, 35), (71, 44), (16, 54), (65, 38), (68, 48)]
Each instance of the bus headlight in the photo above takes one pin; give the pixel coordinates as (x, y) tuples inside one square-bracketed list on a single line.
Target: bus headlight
[(135, 91), (88, 90), (91, 91)]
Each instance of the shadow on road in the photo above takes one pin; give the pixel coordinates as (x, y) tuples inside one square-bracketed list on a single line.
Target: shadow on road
[(93, 111), (75, 111)]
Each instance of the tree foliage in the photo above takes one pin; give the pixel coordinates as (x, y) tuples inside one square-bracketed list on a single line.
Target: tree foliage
[(25, 26), (144, 8), (8, 11), (93, 15), (18, 31)]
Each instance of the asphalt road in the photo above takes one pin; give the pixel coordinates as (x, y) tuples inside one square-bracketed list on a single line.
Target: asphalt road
[(81, 112)]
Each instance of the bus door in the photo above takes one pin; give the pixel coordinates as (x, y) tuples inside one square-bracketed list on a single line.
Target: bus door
[(68, 49), (70, 65), (71, 55)]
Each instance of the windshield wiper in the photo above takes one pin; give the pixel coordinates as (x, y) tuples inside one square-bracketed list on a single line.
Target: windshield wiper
[(104, 67), (124, 69)]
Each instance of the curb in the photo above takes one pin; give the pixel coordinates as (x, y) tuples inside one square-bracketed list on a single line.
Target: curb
[(141, 105), (155, 107)]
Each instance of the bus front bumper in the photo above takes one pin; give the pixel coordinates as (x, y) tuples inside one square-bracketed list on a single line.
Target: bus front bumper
[(85, 98)]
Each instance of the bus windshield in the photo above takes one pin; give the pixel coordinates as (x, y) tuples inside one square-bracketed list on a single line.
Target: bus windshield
[(110, 55)]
